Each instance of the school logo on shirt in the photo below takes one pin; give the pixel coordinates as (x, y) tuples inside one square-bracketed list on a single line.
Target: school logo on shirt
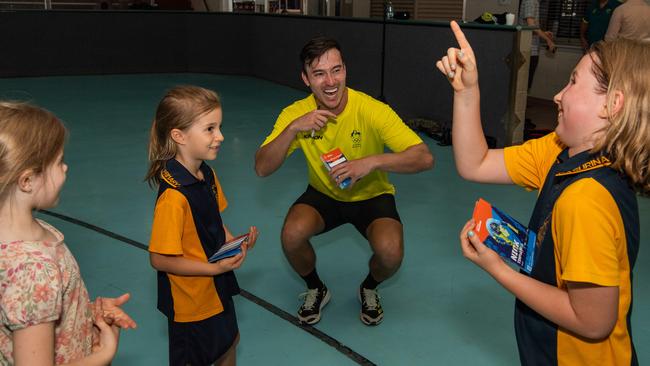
[(167, 177), (356, 138), (592, 164), (213, 183)]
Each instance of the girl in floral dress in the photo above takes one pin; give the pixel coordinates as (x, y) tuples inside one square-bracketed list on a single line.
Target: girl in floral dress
[(46, 316)]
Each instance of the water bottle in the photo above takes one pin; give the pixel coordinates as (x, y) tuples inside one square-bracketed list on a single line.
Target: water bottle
[(389, 10)]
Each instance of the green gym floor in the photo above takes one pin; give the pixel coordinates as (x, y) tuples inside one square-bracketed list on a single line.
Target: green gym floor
[(439, 309)]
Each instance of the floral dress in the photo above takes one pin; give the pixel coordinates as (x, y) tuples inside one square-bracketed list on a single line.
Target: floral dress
[(40, 282)]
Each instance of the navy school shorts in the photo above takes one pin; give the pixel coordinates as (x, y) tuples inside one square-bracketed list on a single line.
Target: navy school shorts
[(201, 343)]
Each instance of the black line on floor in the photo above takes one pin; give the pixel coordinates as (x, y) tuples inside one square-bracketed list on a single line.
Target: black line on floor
[(308, 328), (247, 295), (96, 228)]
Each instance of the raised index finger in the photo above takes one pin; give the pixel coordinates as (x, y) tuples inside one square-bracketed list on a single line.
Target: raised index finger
[(460, 36)]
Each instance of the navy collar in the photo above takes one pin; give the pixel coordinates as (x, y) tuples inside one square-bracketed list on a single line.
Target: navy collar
[(580, 162), (182, 175)]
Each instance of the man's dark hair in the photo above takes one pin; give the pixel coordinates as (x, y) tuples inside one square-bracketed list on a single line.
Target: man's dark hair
[(315, 48)]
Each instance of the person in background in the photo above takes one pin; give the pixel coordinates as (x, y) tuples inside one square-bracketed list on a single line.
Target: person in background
[(529, 16), (630, 20), (594, 23)]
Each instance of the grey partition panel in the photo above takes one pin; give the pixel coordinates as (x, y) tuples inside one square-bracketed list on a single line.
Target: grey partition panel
[(492, 49), (266, 46), (59, 43), (415, 88), (221, 43)]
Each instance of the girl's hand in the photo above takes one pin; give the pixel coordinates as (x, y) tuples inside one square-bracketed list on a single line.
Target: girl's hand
[(252, 237), (477, 252), (459, 66), (112, 312), (105, 346), (231, 263)]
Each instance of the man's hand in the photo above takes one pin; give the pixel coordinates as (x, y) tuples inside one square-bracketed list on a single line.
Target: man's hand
[(312, 121), (353, 169), (550, 45)]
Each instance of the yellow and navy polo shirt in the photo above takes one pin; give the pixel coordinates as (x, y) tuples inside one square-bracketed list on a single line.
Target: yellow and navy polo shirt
[(365, 127), (587, 221), (187, 222)]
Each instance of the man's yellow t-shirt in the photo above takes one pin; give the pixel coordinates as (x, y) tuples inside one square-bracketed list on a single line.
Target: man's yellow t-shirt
[(365, 127)]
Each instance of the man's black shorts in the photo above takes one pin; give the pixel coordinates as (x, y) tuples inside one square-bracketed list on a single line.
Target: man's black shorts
[(202, 342), (360, 213)]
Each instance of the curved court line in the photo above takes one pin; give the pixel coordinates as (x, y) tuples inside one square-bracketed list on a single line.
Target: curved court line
[(345, 350)]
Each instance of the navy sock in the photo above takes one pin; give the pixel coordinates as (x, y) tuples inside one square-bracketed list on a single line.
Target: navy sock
[(370, 282), (312, 280)]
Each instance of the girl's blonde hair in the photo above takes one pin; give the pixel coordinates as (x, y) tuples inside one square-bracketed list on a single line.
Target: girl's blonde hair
[(30, 139), (178, 109), (622, 66)]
